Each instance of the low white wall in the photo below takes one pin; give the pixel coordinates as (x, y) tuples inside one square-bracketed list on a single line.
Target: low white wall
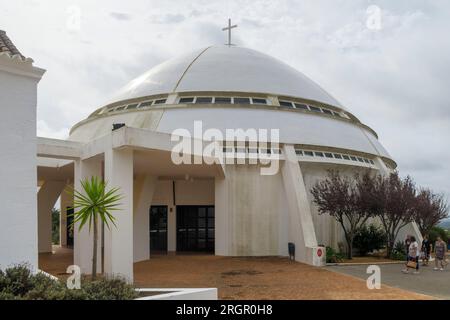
[(180, 294)]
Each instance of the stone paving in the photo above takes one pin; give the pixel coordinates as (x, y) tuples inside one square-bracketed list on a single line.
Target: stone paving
[(265, 278)]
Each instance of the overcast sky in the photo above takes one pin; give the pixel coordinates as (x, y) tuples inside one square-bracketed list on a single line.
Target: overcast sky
[(392, 69)]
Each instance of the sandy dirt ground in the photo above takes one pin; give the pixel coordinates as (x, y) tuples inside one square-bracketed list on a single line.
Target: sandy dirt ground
[(267, 278)]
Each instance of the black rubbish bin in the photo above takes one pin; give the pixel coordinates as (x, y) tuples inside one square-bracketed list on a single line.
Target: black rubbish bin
[(291, 249)]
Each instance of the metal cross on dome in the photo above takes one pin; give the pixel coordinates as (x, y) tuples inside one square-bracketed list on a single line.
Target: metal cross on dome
[(229, 31)]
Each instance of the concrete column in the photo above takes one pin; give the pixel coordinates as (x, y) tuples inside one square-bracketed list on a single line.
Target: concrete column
[(65, 201), (301, 227), (222, 236), (144, 188), (83, 239), (47, 196), (119, 240)]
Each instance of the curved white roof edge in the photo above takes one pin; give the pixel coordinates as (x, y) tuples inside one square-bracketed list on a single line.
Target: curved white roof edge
[(225, 69)]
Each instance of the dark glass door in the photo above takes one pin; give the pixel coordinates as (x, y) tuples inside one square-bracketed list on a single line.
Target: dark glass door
[(195, 228), (158, 228)]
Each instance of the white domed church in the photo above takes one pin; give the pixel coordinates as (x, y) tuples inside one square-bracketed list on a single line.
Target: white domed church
[(228, 206)]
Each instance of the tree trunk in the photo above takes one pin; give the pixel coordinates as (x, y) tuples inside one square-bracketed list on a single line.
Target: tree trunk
[(390, 246), (349, 239), (94, 251)]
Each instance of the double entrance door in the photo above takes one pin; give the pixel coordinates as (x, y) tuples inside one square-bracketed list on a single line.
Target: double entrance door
[(195, 228)]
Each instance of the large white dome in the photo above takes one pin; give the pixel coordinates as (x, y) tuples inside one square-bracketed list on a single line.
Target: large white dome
[(231, 80), (225, 69)]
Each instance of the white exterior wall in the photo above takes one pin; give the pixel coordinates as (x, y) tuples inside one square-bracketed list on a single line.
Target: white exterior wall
[(18, 98), (249, 213)]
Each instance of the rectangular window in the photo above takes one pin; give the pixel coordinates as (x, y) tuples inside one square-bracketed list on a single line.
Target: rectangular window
[(241, 150), (309, 153), (259, 101), (366, 160), (202, 100), (346, 157), (132, 106), (252, 150), (319, 154), (337, 156), (371, 162), (160, 101), (145, 104), (301, 106), (242, 100), (315, 109), (327, 111), (187, 100), (120, 108), (328, 155), (286, 104), (353, 158), (222, 100), (299, 152), (360, 159), (276, 151)]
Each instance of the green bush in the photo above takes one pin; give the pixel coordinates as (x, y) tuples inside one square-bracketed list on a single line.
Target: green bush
[(369, 238), (19, 283), (333, 256), (399, 251), (110, 289)]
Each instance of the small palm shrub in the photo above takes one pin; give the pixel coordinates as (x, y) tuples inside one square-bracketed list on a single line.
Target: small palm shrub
[(399, 251)]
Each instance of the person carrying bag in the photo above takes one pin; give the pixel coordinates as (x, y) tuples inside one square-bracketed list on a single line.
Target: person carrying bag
[(413, 257)]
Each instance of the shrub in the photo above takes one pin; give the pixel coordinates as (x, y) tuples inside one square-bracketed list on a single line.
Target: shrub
[(109, 289), (16, 280), (19, 283), (333, 256), (369, 238), (399, 251)]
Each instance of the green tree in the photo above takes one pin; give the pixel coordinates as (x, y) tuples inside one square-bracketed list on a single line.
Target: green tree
[(95, 204), (55, 226)]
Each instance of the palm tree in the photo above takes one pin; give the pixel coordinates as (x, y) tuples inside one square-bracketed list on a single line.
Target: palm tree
[(93, 205)]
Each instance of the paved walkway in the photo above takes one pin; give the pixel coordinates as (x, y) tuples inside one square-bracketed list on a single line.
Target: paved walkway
[(428, 282), (267, 278)]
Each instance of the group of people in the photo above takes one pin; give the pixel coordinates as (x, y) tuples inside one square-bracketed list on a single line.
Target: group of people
[(416, 253)]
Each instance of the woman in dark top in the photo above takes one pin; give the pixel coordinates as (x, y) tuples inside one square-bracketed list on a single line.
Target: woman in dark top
[(426, 250)]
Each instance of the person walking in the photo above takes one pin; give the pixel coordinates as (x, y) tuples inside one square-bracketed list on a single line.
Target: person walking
[(413, 256), (426, 250), (407, 243), (439, 251)]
